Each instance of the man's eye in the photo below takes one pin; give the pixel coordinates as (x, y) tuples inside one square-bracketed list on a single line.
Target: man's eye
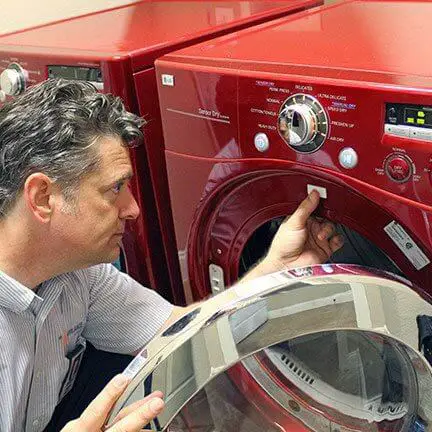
[(117, 187)]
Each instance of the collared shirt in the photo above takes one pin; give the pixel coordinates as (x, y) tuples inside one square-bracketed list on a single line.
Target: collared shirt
[(38, 330)]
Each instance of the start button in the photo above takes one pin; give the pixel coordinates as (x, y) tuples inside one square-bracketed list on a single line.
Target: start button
[(398, 168)]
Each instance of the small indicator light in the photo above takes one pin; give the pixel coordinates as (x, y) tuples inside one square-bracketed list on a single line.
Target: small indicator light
[(420, 121), (410, 119), (420, 114)]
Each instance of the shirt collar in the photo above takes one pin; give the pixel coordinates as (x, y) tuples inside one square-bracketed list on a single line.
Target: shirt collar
[(14, 295)]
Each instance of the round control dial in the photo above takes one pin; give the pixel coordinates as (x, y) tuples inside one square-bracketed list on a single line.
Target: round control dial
[(303, 123), (13, 80), (398, 168)]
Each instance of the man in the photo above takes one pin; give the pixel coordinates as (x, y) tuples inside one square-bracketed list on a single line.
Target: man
[(64, 201)]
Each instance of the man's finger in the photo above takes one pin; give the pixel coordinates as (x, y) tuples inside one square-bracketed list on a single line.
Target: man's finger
[(95, 414), (298, 219), (135, 421), (132, 407), (326, 231), (336, 243)]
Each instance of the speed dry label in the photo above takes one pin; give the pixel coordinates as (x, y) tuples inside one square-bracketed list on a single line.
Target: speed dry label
[(407, 245)]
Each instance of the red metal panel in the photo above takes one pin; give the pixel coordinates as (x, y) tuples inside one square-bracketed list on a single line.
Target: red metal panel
[(147, 29), (217, 106)]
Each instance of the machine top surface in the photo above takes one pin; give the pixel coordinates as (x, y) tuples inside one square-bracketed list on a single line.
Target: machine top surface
[(374, 41), (144, 27)]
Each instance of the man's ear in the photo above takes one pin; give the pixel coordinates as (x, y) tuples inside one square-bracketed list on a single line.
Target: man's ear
[(39, 195)]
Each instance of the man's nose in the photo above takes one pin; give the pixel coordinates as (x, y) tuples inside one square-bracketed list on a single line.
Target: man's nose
[(130, 209)]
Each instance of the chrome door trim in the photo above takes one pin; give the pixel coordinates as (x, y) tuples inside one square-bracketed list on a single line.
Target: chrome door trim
[(241, 321)]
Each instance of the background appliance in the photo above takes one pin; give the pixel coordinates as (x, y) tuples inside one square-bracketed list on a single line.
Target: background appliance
[(339, 100), (115, 50)]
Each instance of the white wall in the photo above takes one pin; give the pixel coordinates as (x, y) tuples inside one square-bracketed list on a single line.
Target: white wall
[(19, 14)]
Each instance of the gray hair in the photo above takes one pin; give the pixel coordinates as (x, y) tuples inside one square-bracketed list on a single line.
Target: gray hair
[(51, 129)]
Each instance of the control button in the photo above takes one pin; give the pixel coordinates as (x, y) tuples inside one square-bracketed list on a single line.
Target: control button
[(398, 130), (348, 158), (261, 142), (419, 133), (391, 112), (13, 80), (398, 168)]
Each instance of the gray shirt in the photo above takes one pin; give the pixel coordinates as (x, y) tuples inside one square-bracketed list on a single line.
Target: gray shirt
[(37, 331)]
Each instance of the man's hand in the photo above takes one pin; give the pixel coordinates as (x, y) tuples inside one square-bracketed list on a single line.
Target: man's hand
[(301, 240), (131, 419)]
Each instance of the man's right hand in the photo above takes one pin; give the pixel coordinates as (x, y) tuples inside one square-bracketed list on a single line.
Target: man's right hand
[(131, 419)]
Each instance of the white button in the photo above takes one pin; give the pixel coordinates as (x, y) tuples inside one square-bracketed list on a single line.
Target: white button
[(261, 142), (38, 374), (348, 158), (35, 422), (403, 131), (419, 133), (321, 190)]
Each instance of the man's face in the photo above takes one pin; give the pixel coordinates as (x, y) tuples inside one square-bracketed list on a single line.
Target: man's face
[(91, 229)]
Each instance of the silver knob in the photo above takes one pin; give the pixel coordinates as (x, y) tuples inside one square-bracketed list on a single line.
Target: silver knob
[(12, 80), (301, 123)]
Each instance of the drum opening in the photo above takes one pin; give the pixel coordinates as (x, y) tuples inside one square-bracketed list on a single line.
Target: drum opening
[(357, 249), (351, 378)]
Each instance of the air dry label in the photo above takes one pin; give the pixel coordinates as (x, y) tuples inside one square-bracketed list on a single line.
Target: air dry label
[(407, 245)]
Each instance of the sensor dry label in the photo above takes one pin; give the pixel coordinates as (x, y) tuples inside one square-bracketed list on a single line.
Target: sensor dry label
[(407, 245)]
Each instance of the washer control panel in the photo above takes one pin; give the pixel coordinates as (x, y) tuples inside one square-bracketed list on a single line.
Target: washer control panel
[(370, 137), (19, 73)]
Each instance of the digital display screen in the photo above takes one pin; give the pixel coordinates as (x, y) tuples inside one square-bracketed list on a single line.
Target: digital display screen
[(75, 73), (418, 116)]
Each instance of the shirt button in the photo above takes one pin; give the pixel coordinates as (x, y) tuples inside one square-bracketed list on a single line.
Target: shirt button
[(36, 423), (38, 374)]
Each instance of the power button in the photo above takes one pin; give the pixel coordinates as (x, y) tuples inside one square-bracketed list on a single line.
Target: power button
[(398, 168), (261, 142)]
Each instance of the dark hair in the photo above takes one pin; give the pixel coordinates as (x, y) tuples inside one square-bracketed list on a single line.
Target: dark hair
[(51, 128)]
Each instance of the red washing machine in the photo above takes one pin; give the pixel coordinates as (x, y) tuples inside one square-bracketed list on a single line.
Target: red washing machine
[(115, 50), (336, 99)]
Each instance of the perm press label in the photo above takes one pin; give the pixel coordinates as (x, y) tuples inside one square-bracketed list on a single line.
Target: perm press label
[(407, 245)]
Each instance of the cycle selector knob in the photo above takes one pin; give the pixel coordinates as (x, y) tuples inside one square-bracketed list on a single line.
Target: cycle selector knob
[(303, 123), (13, 80), (398, 168)]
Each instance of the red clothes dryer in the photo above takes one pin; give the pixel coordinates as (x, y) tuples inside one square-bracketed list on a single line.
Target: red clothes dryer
[(116, 49), (339, 100)]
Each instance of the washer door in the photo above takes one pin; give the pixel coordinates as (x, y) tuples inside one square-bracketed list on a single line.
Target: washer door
[(326, 348)]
